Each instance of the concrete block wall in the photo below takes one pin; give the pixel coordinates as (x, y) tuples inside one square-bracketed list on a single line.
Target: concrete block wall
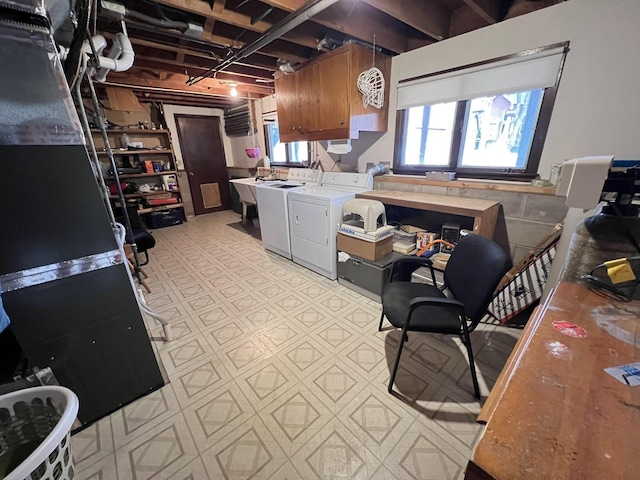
[(525, 218)]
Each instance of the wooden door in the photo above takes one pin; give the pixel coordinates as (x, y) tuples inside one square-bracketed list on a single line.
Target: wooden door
[(204, 160)]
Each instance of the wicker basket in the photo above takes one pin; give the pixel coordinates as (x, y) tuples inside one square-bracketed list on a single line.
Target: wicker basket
[(35, 425)]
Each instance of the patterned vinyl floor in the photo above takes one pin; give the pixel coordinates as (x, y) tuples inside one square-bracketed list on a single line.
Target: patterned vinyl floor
[(278, 373)]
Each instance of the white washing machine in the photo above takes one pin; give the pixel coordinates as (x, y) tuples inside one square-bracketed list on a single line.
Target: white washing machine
[(272, 208), (315, 213)]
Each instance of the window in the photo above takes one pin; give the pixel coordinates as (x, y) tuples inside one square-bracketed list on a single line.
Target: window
[(486, 120), (284, 153)]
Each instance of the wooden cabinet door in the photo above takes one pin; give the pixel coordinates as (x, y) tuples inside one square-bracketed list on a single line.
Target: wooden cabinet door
[(309, 98), (288, 106), (333, 111)]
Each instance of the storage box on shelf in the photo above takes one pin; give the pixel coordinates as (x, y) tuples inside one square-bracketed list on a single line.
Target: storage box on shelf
[(147, 168)]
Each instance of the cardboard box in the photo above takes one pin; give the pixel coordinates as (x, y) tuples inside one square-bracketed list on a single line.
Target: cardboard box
[(361, 248)]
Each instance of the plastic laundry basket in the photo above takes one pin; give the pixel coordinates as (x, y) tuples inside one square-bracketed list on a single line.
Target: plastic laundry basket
[(35, 425)]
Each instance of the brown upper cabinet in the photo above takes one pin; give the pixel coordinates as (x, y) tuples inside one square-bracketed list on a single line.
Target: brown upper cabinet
[(321, 101)]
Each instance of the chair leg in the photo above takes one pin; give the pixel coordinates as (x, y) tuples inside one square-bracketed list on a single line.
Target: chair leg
[(395, 367), (381, 321), (472, 365), (245, 209)]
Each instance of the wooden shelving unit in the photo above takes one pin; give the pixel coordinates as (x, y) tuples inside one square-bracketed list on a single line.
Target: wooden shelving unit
[(142, 175), (157, 148), (137, 152)]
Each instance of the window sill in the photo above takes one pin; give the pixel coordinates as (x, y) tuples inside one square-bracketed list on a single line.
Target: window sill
[(501, 186)]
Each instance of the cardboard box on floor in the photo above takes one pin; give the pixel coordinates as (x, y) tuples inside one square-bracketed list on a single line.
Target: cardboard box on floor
[(361, 248)]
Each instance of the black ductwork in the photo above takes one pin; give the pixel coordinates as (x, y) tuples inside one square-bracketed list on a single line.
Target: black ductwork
[(237, 121)]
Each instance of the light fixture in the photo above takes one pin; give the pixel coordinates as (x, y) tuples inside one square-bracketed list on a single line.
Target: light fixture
[(234, 90)]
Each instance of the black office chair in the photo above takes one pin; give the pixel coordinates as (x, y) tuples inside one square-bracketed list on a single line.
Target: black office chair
[(472, 273), (143, 239)]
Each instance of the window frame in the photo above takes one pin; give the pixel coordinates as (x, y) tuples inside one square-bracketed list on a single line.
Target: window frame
[(537, 143), (287, 150)]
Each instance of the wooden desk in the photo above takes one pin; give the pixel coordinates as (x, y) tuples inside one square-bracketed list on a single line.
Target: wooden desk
[(484, 212), (560, 415)]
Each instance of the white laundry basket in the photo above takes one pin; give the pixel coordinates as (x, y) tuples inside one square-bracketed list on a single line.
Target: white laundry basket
[(35, 425)]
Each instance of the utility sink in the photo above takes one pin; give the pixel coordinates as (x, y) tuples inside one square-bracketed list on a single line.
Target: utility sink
[(246, 188)]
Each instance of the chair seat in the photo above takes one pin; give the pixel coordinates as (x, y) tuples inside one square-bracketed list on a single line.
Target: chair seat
[(144, 240), (396, 298)]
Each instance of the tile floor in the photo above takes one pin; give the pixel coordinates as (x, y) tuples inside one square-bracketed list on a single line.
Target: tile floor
[(279, 373)]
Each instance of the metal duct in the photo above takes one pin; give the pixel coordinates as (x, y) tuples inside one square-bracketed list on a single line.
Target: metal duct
[(290, 22), (237, 121)]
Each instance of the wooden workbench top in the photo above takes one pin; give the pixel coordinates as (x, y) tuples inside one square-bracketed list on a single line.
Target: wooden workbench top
[(484, 212), (554, 412), (425, 201)]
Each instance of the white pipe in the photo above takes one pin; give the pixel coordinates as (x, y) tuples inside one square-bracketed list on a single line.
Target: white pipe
[(122, 62), (99, 44)]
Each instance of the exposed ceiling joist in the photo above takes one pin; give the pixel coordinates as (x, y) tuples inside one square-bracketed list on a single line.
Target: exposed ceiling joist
[(489, 10), (232, 18), (357, 26), (173, 83), (189, 100), (164, 54), (219, 5), (426, 17), (216, 42), (209, 23), (192, 69)]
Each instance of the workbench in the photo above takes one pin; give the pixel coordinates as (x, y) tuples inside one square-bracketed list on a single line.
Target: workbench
[(554, 413), (483, 212)]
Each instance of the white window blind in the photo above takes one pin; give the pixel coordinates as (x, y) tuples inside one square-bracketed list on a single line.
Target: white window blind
[(516, 74)]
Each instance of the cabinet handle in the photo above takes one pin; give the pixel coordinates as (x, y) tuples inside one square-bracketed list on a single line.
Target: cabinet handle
[(191, 173)]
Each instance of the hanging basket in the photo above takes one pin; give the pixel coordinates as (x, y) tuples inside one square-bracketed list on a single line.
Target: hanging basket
[(253, 152)]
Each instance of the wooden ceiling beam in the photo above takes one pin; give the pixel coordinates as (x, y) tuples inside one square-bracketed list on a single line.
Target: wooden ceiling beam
[(268, 51), (464, 20), (219, 5), (191, 101), (489, 10), (209, 23), (193, 68), (236, 19), (363, 27), (256, 61), (426, 17), (140, 79)]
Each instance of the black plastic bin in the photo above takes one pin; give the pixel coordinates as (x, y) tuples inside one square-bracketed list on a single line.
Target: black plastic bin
[(165, 218)]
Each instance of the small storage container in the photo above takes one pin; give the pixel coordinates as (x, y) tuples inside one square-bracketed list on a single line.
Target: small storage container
[(365, 276), (165, 218)]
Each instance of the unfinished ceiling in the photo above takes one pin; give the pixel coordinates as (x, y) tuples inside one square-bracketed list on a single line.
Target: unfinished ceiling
[(167, 58)]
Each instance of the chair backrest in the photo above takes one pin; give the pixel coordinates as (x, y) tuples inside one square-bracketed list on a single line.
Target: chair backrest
[(473, 272)]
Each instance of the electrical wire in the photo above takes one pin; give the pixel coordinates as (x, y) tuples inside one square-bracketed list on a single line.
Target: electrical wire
[(73, 62), (607, 289)]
